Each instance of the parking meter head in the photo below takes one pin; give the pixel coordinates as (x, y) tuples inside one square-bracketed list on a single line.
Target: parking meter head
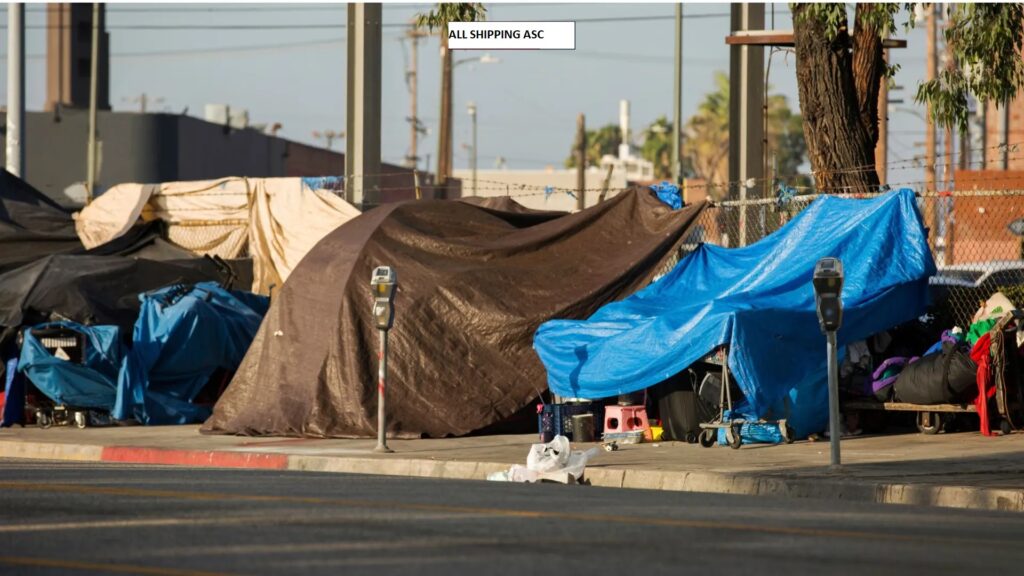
[(828, 289), (383, 283)]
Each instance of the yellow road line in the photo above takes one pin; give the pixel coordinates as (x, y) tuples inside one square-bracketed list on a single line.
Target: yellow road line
[(499, 512), (102, 567)]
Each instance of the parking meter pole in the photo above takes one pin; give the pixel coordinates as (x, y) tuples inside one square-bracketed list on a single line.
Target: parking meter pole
[(833, 398), (382, 384), (383, 282)]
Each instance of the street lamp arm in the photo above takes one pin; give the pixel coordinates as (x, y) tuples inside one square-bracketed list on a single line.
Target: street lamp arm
[(485, 59)]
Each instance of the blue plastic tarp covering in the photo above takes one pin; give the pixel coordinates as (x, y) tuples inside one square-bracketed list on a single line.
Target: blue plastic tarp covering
[(759, 300), (14, 395), (86, 385), (182, 336), (669, 194)]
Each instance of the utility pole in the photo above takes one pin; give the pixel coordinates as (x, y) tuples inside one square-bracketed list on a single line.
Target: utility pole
[(143, 101), (444, 138), (931, 70), (362, 130), (15, 89), (947, 172), (746, 96), (947, 212), (581, 161), (90, 184), (1004, 135), (677, 108), (412, 77), (329, 136), (471, 107)]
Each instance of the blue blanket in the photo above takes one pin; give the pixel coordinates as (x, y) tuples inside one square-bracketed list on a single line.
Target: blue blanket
[(758, 300)]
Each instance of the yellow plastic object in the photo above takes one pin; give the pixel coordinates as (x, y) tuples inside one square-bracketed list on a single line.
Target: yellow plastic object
[(656, 433)]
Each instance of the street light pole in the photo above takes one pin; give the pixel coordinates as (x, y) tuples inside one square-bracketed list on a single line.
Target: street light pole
[(677, 109), (15, 89), (472, 115), (90, 184)]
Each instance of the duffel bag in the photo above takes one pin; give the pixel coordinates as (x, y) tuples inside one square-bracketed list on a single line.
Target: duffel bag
[(939, 378)]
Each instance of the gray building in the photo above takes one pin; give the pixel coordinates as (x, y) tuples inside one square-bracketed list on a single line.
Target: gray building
[(151, 148), (143, 148), (155, 147)]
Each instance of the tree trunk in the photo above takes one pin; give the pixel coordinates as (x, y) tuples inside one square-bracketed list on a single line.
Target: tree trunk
[(868, 66), (444, 138), (841, 151)]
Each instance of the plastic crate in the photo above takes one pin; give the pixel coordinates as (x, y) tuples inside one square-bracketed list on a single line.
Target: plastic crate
[(556, 419)]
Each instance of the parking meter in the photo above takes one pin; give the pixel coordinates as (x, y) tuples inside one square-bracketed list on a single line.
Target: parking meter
[(828, 289), (383, 283)]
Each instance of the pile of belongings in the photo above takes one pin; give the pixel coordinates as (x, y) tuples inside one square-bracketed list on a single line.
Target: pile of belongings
[(475, 280), (759, 301), (273, 221), (48, 275), (46, 272), (957, 369), (184, 336)]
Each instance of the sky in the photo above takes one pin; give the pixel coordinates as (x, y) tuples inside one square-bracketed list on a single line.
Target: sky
[(286, 63)]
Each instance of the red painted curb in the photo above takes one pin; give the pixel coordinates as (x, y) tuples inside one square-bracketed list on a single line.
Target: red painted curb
[(133, 455)]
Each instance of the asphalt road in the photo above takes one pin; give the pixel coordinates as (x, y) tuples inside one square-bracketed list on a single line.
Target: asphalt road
[(66, 518)]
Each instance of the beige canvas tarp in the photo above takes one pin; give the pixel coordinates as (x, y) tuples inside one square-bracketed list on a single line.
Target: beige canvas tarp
[(275, 221)]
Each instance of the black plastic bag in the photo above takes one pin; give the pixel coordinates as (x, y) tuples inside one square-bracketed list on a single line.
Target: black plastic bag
[(949, 376)]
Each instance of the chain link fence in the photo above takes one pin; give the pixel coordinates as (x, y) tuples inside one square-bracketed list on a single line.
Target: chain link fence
[(976, 238)]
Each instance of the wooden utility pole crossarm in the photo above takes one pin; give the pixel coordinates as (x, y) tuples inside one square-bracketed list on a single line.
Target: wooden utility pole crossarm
[(784, 38)]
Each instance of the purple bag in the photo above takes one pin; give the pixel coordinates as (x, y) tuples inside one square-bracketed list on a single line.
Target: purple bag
[(886, 374)]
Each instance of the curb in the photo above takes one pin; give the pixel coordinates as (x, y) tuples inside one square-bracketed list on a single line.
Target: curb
[(736, 483)]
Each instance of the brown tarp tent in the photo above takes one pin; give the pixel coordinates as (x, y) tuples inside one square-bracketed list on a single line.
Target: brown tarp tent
[(475, 280)]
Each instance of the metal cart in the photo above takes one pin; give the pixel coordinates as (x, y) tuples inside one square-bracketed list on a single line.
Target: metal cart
[(72, 345), (930, 417), (1008, 381), (733, 426)]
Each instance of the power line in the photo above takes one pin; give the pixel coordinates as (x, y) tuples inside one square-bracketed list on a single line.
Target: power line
[(588, 54), (214, 9), (328, 26), (213, 50)]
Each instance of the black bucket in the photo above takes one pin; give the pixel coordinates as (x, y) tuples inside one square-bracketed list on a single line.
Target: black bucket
[(583, 428)]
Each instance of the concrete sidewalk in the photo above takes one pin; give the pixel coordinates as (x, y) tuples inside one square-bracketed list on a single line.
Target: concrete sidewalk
[(964, 470)]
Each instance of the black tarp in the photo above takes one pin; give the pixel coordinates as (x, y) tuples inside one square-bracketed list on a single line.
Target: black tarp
[(91, 289), (474, 282), (46, 272), (33, 226), (88, 290)]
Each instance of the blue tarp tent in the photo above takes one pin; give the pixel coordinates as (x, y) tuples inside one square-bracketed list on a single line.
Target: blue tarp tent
[(184, 334), (760, 302)]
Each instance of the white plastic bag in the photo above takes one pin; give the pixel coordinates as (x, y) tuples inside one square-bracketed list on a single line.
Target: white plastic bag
[(549, 457)]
